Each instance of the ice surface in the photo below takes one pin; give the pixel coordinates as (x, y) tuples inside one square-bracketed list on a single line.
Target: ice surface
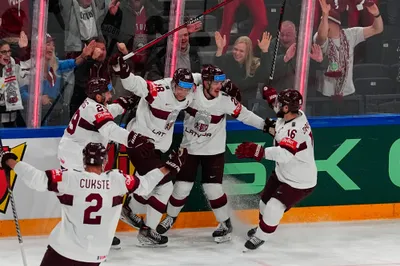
[(370, 243)]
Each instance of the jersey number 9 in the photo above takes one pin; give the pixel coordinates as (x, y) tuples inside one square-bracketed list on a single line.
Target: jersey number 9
[(74, 122)]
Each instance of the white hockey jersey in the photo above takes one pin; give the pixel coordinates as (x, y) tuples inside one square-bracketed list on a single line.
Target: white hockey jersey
[(205, 122), (157, 110), (90, 206), (92, 122), (294, 153)]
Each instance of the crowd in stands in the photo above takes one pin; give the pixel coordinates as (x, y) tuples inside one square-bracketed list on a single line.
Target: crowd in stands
[(354, 59)]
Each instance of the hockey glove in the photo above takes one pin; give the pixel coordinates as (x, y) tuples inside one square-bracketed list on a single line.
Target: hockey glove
[(128, 102), (142, 144), (269, 126), (250, 150), (6, 155), (176, 160), (232, 90), (269, 94), (120, 66)]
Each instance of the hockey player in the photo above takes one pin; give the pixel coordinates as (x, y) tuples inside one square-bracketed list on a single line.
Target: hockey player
[(205, 138), (91, 202), (295, 175), (94, 122), (159, 106)]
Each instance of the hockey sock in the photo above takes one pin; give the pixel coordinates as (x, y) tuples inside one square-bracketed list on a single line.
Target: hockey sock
[(218, 201), (157, 203), (272, 214), (179, 197), (261, 209)]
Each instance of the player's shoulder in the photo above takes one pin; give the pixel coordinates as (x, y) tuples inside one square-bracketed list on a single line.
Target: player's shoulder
[(230, 105), (228, 100), (165, 83), (57, 175), (91, 107), (114, 172), (159, 87), (225, 95), (302, 119), (128, 180), (300, 126)]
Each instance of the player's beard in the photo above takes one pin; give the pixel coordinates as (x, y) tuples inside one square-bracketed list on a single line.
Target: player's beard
[(279, 112), (208, 92), (104, 102)]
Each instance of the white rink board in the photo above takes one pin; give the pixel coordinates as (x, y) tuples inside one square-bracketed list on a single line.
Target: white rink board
[(41, 153), (367, 243)]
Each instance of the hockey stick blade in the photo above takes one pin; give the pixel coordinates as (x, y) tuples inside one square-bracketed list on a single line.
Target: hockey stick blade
[(157, 40)]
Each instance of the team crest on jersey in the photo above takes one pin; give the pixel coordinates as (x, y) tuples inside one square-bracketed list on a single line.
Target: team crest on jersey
[(4, 195), (202, 120), (171, 119), (56, 175), (129, 181)]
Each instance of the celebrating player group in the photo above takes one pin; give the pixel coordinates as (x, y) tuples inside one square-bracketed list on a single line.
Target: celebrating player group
[(92, 200)]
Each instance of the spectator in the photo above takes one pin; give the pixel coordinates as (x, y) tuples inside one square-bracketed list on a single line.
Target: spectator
[(94, 66), (259, 15), (12, 78), (134, 22), (241, 66), (285, 68), (14, 19), (51, 83), (82, 20), (338, 44), (357, 15), (187, 57)]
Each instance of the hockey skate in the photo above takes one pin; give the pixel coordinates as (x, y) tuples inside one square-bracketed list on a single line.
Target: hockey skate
[(165, 224), (116, 243), (253, 243), (128, 217), (252, 232), (148, 237), (223, 232)]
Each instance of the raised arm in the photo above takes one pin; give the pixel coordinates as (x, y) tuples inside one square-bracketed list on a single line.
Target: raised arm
[(130, 82), (377, 26), (322, 34), (32, 177)]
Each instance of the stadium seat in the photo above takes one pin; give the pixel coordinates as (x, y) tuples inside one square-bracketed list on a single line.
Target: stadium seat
[(374, 86), (326, 106), (370, 70), (390, 51), (389, 103)]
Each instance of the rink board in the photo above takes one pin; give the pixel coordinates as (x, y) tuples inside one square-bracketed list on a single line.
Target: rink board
[(358, 161)]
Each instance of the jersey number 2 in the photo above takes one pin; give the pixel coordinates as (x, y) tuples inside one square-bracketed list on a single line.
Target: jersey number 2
[(87, 219)]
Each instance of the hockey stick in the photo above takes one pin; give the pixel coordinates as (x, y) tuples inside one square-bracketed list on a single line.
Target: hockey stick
[(157, 40), (14, 210), (48, 113), (273, 64), (276, 48)]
